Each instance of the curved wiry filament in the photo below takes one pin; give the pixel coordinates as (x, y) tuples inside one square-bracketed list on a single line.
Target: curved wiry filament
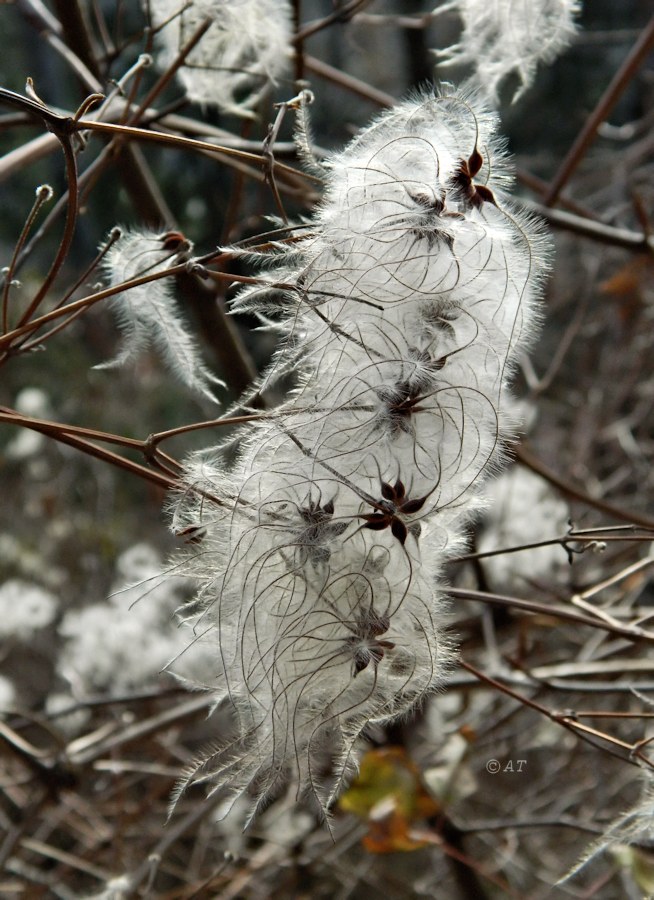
[(320, 579)]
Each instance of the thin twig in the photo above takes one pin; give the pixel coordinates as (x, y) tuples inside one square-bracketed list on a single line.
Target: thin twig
[(348, 82), (527, 458), (633, 633), (91, 449), (594, 230), (343, 14), (606, 103), (567, 721)]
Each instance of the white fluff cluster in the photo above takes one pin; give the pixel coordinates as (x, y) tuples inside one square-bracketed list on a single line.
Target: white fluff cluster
[(25, 608), (7, 693), (629, 839), (523, 509), (246, 48), (504, 37), (128, 640), (30, 401), (147, 314), (318, 553)]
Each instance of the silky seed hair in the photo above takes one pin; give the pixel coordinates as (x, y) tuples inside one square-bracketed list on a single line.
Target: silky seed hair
[(319, 572), (148, 315), (504, 38), (244, 51)]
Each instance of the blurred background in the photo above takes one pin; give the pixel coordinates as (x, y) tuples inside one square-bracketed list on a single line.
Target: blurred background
[(82, 652)]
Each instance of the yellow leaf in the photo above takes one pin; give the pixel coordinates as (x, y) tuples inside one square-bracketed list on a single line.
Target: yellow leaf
[(390, 795)]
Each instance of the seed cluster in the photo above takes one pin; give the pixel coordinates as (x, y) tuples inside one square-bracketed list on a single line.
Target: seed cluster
[(318, 569)]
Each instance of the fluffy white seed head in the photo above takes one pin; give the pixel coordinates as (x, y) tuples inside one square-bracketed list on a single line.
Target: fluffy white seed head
[(246, 47), (147, 314), (317, 554), (510, 37), (523, 509)]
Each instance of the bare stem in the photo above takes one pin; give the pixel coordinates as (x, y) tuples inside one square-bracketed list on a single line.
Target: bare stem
[(527, 458), (606, 103), (633, 633), (43, 194), (77, 438)]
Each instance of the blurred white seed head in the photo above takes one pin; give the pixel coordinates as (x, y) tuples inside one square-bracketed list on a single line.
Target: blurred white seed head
[(245, 49), (317, 555), (7, 694), (34, 402), (118, 888), (522, 509), (70, 723), (128, 640), (25, 608), (510, 37)]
